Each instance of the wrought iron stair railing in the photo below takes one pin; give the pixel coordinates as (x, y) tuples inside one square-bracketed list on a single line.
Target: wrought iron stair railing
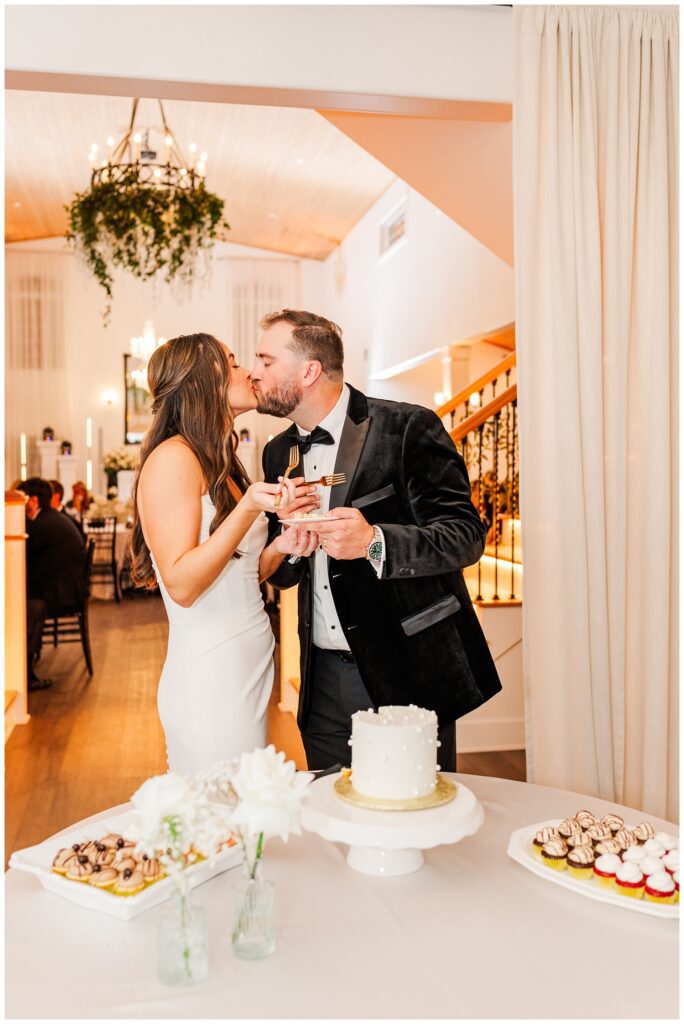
[(484, 426)]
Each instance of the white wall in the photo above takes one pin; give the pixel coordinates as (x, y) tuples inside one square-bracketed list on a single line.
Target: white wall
[(454, 51), (437, 287), (94, 353)]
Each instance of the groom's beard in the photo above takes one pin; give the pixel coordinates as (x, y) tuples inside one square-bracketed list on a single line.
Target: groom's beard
[(281, 400)]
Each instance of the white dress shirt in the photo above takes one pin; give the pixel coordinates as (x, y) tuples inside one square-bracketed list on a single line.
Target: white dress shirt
[(320, 461)]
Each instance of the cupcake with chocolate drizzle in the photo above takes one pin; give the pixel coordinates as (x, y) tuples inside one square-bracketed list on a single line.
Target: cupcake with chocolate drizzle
[(613, 821), (599, 832), (581, 862), (543, 836), (643, 831), (584, 819), (129, 882), (607, 846), (625, 838), (555, 854), (567, 827), (579, 839)]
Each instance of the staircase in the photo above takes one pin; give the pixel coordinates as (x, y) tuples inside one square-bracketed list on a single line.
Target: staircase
[(482, 421)]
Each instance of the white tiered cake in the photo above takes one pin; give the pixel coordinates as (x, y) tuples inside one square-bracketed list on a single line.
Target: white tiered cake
[(394, 752)]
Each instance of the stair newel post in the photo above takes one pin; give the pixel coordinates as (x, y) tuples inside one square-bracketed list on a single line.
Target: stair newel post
[(495, 504), (480, 502)]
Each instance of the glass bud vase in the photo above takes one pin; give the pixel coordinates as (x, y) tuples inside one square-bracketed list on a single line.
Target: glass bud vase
[(182, 945), (254, 933)]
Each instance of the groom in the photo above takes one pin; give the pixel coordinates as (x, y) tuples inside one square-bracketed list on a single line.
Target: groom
[(384, 614)]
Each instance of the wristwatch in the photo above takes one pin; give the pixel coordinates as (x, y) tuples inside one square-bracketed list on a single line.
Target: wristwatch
[(375, 548)]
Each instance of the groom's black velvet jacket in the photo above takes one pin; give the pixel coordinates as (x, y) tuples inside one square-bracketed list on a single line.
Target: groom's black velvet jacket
[(414, 633)]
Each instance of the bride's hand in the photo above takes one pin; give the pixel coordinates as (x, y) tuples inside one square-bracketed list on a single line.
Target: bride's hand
[(296, 540), (300, 497), (261, 497)]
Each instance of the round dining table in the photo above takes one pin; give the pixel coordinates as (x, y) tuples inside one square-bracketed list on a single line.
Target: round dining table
[(472, 934)]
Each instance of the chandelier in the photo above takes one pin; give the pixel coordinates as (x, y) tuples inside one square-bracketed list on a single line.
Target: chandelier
[(157, 165), (141, 349), (147, 209)]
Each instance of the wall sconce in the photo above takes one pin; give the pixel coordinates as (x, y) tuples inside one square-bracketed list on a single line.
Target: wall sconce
[(110, 397)]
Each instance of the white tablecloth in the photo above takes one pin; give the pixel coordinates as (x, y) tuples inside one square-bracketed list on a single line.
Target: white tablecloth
[(472, 934)]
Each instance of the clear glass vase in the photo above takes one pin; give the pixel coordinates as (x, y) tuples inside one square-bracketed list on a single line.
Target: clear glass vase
[(254, 934), (182, 945)]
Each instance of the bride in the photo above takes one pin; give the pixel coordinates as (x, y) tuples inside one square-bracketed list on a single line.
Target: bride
[(199, 531)]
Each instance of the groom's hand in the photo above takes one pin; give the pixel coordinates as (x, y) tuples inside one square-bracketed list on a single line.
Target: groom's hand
[(347, 538)]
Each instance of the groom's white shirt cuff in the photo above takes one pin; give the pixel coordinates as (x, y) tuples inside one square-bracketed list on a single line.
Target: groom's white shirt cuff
[(378, 566)]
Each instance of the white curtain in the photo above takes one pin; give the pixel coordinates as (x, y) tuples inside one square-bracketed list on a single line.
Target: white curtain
[(259, 286), (595, 199), (35, 359)]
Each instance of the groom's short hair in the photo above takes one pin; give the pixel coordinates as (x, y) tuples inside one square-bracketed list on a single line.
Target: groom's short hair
[(314, 337)]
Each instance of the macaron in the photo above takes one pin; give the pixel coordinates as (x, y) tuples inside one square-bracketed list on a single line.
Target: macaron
[(103, 877)]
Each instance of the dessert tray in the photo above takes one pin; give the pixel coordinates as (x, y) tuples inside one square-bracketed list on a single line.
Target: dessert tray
[(520, 849), (37, 860), (389, 842)]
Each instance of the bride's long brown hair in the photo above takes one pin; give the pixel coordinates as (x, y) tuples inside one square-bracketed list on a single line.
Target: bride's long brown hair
[(189, 378)]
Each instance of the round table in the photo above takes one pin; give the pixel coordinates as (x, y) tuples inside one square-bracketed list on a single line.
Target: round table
[(470, 935)]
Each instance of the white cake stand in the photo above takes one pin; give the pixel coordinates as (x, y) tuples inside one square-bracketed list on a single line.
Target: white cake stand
[(389, 842)]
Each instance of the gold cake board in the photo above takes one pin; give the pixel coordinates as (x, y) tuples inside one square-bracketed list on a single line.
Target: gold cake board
[(444, 791)]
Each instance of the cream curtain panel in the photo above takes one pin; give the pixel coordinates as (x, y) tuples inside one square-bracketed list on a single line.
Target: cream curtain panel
[(595, 200)]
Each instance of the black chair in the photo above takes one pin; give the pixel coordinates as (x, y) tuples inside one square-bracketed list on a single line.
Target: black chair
[(71, 627), (105, 569)]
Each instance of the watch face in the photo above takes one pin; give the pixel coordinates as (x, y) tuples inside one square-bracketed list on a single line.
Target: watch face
[(375, 551)]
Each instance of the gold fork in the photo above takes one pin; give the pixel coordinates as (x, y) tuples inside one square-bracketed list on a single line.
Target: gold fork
[(293, 461), (332, 480)]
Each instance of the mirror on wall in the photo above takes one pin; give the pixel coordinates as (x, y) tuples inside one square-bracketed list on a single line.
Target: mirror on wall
[(138, 404)]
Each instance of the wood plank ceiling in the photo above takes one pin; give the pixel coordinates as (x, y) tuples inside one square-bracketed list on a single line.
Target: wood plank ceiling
[(292, 182)]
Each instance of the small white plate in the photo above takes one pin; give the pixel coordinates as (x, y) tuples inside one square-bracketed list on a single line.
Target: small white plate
[(310, 520), (37, 860), (519, 848)]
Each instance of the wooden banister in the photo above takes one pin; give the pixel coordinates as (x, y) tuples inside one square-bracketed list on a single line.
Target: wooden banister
[(477, 385), (476, 419)]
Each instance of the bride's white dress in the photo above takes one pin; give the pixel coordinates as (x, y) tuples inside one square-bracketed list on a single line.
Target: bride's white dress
[(218, 674)]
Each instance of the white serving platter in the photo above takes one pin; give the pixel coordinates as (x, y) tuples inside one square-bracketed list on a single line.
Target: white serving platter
[(37, 860), (310, 520), (520, 849)]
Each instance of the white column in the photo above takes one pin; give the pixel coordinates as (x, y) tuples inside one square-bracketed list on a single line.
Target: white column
[(67, 472), (48, 452)]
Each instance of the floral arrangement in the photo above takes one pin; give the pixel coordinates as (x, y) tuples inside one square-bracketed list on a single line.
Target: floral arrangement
[(119, 458), (106, 508), (178, 820), (122, 222)]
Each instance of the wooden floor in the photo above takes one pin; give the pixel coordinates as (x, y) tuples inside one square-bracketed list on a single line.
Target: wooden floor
[(91, 742)]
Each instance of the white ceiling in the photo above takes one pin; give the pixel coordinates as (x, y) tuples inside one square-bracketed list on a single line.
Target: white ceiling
[(292, 182)]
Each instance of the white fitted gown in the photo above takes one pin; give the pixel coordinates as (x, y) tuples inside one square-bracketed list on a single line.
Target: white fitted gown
[(218, 674)]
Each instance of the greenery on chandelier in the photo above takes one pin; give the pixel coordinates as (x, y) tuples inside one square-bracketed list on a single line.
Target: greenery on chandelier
[(143, 229)]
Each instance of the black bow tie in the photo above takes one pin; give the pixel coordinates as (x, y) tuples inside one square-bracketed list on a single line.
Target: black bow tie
[(318, 436)]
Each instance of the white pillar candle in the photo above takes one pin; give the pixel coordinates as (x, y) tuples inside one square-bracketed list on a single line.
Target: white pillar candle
[(22, 449)]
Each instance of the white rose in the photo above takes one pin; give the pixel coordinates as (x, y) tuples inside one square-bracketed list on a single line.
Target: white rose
[(270, 793), (159, 798)]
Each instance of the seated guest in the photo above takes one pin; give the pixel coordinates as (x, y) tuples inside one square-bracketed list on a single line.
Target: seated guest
[(80, 500), (55, 567), (57, 501)]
